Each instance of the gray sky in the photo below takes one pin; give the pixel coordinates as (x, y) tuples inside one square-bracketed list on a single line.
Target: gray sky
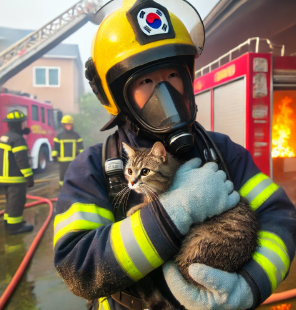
[(33, 14)]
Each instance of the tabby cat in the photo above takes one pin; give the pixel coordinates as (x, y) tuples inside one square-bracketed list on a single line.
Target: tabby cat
[(225, 242)]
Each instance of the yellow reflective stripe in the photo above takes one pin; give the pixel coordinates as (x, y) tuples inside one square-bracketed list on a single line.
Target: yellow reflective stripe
[(104, 304), (6, 164), (27, 172), (19, 148), (81, 207), (75, 226), (268, 267), (121, 254), (74, 149), (61, 183), (54, 153), (12, 180), (64, 159), (80, 213), (251, 183), (14, 220), (5, 147), (273, 247), (62, 149), (144, 241), (275, 238), (258, 189), (263, 196), (68, 140), (5, 153), (56, 140), (5, 216), (80, 140), (80, 151)]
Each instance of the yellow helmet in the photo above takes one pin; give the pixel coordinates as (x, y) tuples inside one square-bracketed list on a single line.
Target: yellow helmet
[(67, 119), (15, 116), (135, 34)]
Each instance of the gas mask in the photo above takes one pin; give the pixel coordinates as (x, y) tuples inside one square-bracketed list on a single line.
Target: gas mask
[(161, 100)]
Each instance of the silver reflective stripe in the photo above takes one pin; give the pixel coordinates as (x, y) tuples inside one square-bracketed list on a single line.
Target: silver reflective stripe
[(85, 216), (133, 249), (258, 189), (276, 261), (102, 306)]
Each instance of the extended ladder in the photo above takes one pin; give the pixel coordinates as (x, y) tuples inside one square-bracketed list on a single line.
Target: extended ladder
[(33, 46)]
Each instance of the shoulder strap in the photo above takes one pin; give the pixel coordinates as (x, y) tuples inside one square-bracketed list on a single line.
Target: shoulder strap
[(113, 168)]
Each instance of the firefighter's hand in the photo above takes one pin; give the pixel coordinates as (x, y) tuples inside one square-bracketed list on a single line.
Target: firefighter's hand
[(30, 181), (197, 194), (220, 289)]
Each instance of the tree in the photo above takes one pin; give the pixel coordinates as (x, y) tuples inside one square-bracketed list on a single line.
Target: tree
[(92, 117)]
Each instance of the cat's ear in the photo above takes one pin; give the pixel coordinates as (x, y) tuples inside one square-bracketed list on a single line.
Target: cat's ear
[(159, 151), (129, 151)]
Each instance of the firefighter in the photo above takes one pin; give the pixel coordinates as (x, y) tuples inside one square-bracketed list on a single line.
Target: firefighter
[(141, 69), (67, 145), (15, 172)]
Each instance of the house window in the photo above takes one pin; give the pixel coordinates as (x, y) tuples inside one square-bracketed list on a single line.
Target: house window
[(49, 122), (46, 76), (35, 114), (43, 115)]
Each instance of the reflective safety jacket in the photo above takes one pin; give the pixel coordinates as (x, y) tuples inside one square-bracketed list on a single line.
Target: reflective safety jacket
[(67, 145), (14, 159), (97, 257)]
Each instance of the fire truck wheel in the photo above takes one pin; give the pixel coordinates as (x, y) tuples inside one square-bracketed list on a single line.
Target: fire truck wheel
[(43, 159)]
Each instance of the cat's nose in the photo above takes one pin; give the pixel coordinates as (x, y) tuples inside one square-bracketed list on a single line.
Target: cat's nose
[(132, 183)]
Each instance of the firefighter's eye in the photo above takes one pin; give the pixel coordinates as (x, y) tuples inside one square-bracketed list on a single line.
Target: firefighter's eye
[(174, 74), (146, 81), (130, 171), (145, 172)]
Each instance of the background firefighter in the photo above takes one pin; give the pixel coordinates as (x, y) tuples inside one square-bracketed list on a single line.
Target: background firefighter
[(67, 145), (15, 172)]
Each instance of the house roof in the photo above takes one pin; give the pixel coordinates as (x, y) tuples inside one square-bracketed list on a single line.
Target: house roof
[(9, 36)]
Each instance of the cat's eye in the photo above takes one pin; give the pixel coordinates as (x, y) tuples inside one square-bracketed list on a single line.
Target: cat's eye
[(145, 172), (130, 171)]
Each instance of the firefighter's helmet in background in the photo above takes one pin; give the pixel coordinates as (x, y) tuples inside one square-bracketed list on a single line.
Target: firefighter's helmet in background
[(15, 116), (144, 36), (67, 119)]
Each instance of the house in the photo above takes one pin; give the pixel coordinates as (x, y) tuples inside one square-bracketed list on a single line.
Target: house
[(56, 77)]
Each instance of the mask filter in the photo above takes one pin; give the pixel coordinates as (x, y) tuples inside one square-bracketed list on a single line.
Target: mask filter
[(180, 142)]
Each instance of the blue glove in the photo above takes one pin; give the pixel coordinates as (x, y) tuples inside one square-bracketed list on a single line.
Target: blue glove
[(221, 290), (198, 193)]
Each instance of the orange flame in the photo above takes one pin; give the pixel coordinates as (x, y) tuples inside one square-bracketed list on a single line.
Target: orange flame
[(281, 132), (282, 307)]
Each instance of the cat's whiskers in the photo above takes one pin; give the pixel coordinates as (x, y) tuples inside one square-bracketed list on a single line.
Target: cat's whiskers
[(117, 199), (122, 199), (155, 196), (126, 201)]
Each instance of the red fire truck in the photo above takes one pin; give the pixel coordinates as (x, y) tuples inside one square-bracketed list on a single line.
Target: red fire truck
[(43, 121), (251, 97)]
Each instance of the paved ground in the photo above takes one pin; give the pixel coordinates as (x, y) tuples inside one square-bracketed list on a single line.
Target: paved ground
[(41, 287)]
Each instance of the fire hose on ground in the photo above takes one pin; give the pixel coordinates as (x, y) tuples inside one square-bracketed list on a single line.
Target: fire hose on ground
[(39, 200)]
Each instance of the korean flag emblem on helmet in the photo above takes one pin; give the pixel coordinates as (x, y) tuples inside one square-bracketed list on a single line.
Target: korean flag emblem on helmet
[(152, 21)]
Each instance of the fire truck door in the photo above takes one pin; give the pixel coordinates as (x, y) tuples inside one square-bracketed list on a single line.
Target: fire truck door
[(203, 102), (230, 110)]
